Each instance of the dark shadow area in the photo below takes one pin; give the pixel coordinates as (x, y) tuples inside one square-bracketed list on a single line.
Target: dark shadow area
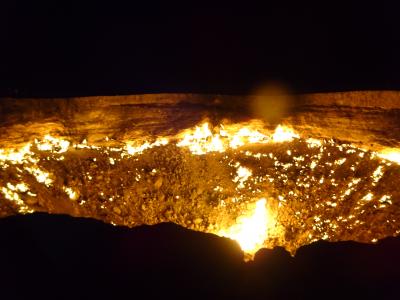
[(55, 256)]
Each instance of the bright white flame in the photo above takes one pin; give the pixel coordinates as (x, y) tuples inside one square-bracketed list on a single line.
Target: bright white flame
[(313, 165), (251, 230), (284, 134), (243, 174), (71, 193), (11, 193), (368, 197), (132, 150), (40, 175), (20, 187), (216, 144), (16, 156), (340, 161), (377, 175), (50, 143), (312, 143), (253, 136), (390, 154), (202, 139)]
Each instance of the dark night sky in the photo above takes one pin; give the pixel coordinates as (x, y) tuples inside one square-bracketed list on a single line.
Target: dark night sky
[(59, 48)]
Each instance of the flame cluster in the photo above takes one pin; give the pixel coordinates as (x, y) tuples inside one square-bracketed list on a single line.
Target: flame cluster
[(203, 139), (256, 218)]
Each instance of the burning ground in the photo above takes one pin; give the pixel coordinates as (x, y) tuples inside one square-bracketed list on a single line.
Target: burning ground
[(259, 187)]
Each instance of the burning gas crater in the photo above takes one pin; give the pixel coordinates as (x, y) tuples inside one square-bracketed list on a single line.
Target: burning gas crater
[(259, 187)]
